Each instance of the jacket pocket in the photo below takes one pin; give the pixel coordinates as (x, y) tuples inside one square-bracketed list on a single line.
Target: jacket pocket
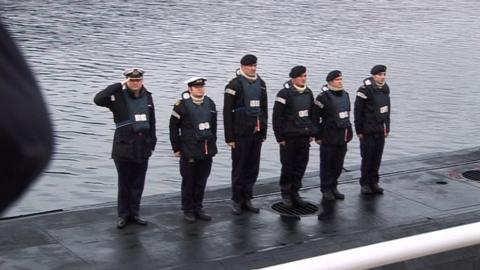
[(124, 148)]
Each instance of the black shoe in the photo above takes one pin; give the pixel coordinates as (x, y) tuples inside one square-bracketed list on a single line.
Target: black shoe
[(337, 194), (299, 201), (139, 220), (324, 216), (328, 195), (236, 208), (366, 190), (189, 217), (287, 202), (376, 188), (202, 215), (247, 205), (121, 223)]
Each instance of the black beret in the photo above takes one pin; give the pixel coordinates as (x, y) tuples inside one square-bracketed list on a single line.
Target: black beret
[(297, 71), (333, 74), (377, 69), (135, 73), (248, 59)]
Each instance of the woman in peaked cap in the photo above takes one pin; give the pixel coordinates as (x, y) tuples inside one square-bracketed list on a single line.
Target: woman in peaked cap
[(193, 136)]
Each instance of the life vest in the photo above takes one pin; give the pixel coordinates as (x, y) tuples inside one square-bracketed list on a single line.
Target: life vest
[(338, 108), (138, 112), (251, 96), (380, 106), (300, 105), (200, 115), (298, 118)]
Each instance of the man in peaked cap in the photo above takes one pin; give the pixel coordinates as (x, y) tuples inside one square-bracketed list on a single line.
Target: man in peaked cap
[(372, 125), (193, 136), (245, 114), (133, 142), (294, 129), (335, 131), (134, 73)]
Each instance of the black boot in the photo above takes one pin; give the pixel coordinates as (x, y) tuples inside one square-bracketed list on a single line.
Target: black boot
[(189, 217), (236, 208), (200, 214), (376, 188), (328, 195), (121, 223), (366, 190), (337, 194), (299, 201), (139, 220), (287, 202), (247, 205)]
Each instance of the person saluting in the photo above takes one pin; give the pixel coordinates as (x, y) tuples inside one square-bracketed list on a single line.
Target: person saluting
[(133, 142)]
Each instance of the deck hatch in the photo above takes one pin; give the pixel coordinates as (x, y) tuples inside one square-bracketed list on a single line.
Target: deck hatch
[(472, 175), (296, 211)]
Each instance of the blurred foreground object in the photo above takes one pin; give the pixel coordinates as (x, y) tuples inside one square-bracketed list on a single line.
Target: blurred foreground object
[(26, 136)]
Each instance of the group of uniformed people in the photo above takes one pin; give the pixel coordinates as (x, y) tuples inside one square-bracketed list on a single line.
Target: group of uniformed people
[(298, 119)]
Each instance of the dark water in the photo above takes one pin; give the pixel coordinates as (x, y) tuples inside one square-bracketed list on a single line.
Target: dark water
[(76, 48)]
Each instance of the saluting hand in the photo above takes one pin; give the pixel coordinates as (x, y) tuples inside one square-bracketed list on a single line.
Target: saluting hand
[(177, 154), (231, 144)]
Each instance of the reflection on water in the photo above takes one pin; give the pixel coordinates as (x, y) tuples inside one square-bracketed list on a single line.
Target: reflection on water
[(78, 48)]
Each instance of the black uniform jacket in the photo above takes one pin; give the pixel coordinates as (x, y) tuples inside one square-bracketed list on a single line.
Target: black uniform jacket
[(127, 144), (237, 123), (185, 142)]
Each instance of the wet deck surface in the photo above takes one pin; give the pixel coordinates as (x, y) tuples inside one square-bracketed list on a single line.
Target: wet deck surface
[(422, 194)]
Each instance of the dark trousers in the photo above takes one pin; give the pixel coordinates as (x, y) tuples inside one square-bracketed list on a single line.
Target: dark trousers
[(294, 158), (245, 166), (194, 173), (331, 164), (371, 149), (131, 180)]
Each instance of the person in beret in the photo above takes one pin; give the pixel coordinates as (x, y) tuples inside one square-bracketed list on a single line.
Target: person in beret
[(372, 125), (133, 142), (193, 136), (332, 112), (294, 129), (245, 114)]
